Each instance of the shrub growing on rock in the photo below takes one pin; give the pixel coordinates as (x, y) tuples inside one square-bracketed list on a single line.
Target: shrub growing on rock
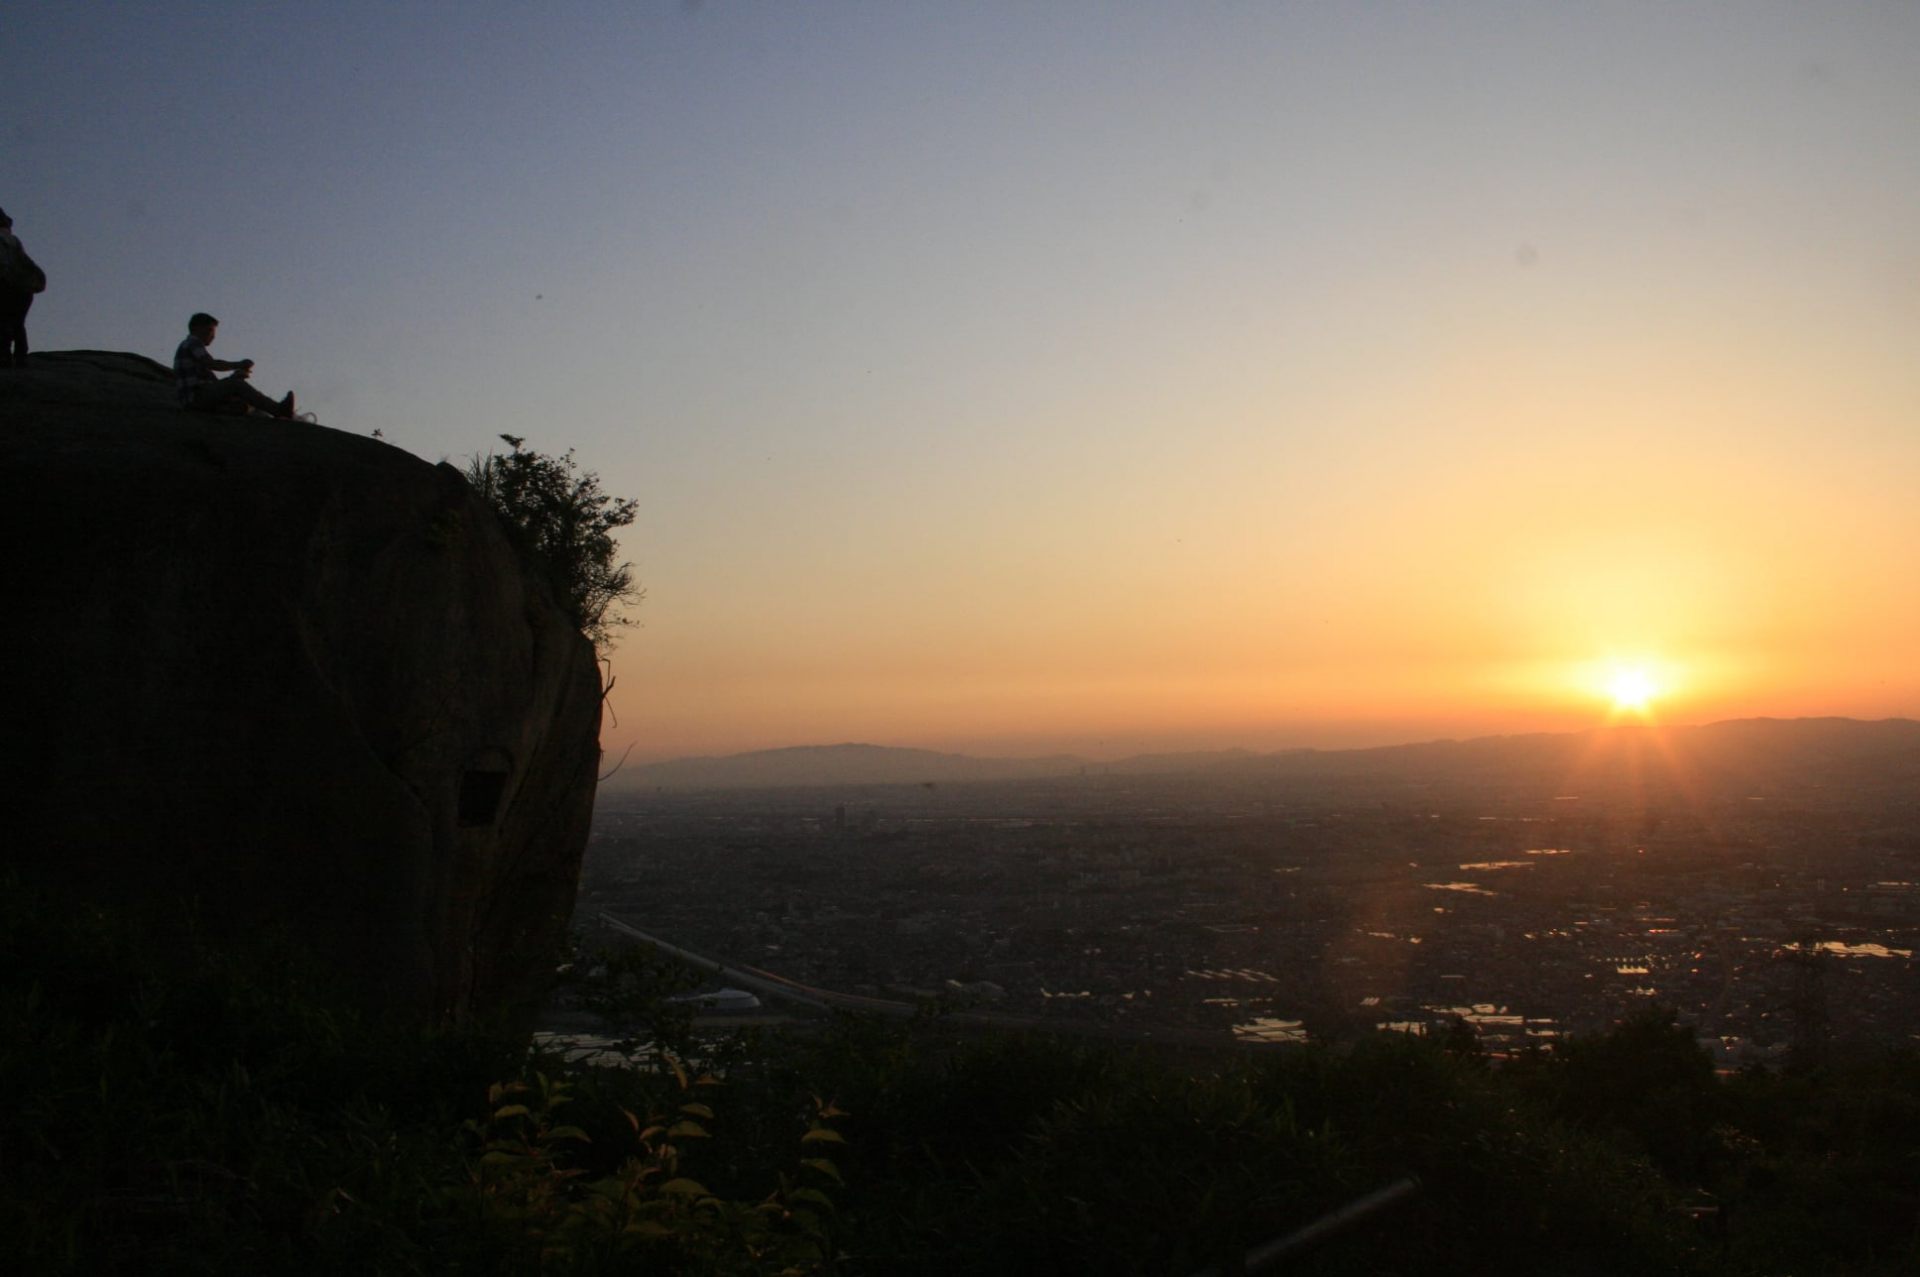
[(558, 516)]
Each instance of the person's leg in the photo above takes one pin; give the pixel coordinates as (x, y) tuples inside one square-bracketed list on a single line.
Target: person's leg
[(236, 393), (213, 397)]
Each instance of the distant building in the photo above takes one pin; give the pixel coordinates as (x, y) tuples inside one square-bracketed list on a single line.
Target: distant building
[(720, 1000)]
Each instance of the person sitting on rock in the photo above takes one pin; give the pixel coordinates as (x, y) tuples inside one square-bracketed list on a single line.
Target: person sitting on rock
[(202, 391)]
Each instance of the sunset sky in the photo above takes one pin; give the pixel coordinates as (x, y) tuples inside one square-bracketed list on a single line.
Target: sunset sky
[(1013, 378)]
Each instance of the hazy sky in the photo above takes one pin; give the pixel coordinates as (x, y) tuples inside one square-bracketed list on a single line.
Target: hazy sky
[(1020, 377)]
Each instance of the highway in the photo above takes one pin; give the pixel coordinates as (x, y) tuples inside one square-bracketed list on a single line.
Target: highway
[(780, 989)]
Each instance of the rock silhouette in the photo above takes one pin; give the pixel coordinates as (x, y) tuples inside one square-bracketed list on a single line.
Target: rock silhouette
[(270, 676)]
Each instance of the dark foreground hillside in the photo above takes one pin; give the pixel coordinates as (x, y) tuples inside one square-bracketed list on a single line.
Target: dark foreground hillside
[(234, 1121)]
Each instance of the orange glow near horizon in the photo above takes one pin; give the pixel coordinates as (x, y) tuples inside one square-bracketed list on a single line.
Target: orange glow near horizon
[(1200, 583)]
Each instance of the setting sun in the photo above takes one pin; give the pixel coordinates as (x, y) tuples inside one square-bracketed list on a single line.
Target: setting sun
[(1632, 688)]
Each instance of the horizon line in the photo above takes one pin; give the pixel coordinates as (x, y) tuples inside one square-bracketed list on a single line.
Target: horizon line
[(1636, 723)]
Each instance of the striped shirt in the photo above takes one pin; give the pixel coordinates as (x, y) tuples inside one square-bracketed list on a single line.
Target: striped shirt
[(192, 366)]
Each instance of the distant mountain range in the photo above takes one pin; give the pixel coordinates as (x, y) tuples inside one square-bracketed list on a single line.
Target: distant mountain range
[(811, 765), (1819, 750)]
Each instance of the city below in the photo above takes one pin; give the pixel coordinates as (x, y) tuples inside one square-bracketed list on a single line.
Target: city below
[(1761, 878)]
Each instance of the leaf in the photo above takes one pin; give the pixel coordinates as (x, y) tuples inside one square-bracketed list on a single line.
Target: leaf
[(569, 1133), (510, 1110), (813, 1195), (687, 1130), (698, 1110), (607, 1186), (684, 1187), (632, 1121), (824, 1166), (823, 1135), (649, 1228)]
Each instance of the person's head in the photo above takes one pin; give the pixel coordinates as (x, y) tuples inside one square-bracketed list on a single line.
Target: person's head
[(202, 325)]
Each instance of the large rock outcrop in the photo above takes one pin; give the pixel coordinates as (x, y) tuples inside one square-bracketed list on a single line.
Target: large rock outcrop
[(284, 677)]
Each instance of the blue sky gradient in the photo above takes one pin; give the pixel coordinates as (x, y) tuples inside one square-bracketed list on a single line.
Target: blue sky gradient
[(1012, 377)]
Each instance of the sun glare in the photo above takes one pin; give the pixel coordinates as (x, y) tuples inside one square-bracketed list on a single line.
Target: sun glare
[(1632, 688)]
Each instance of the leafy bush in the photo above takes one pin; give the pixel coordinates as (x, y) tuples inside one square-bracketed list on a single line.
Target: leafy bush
[(1647, 1083), (536, 1183), (228, 1117), (226, 1114), (558, 516)]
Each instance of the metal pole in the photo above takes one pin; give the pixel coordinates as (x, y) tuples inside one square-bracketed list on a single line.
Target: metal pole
[(1297, 1243)]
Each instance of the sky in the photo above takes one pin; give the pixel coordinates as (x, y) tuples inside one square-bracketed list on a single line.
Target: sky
[(1014, 378)]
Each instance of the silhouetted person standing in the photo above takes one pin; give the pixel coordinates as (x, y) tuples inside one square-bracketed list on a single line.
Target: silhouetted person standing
[(202, 391), (20, 279)]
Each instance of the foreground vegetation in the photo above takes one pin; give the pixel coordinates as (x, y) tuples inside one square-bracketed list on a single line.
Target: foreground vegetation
[(563, 524), (235, 1120)]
